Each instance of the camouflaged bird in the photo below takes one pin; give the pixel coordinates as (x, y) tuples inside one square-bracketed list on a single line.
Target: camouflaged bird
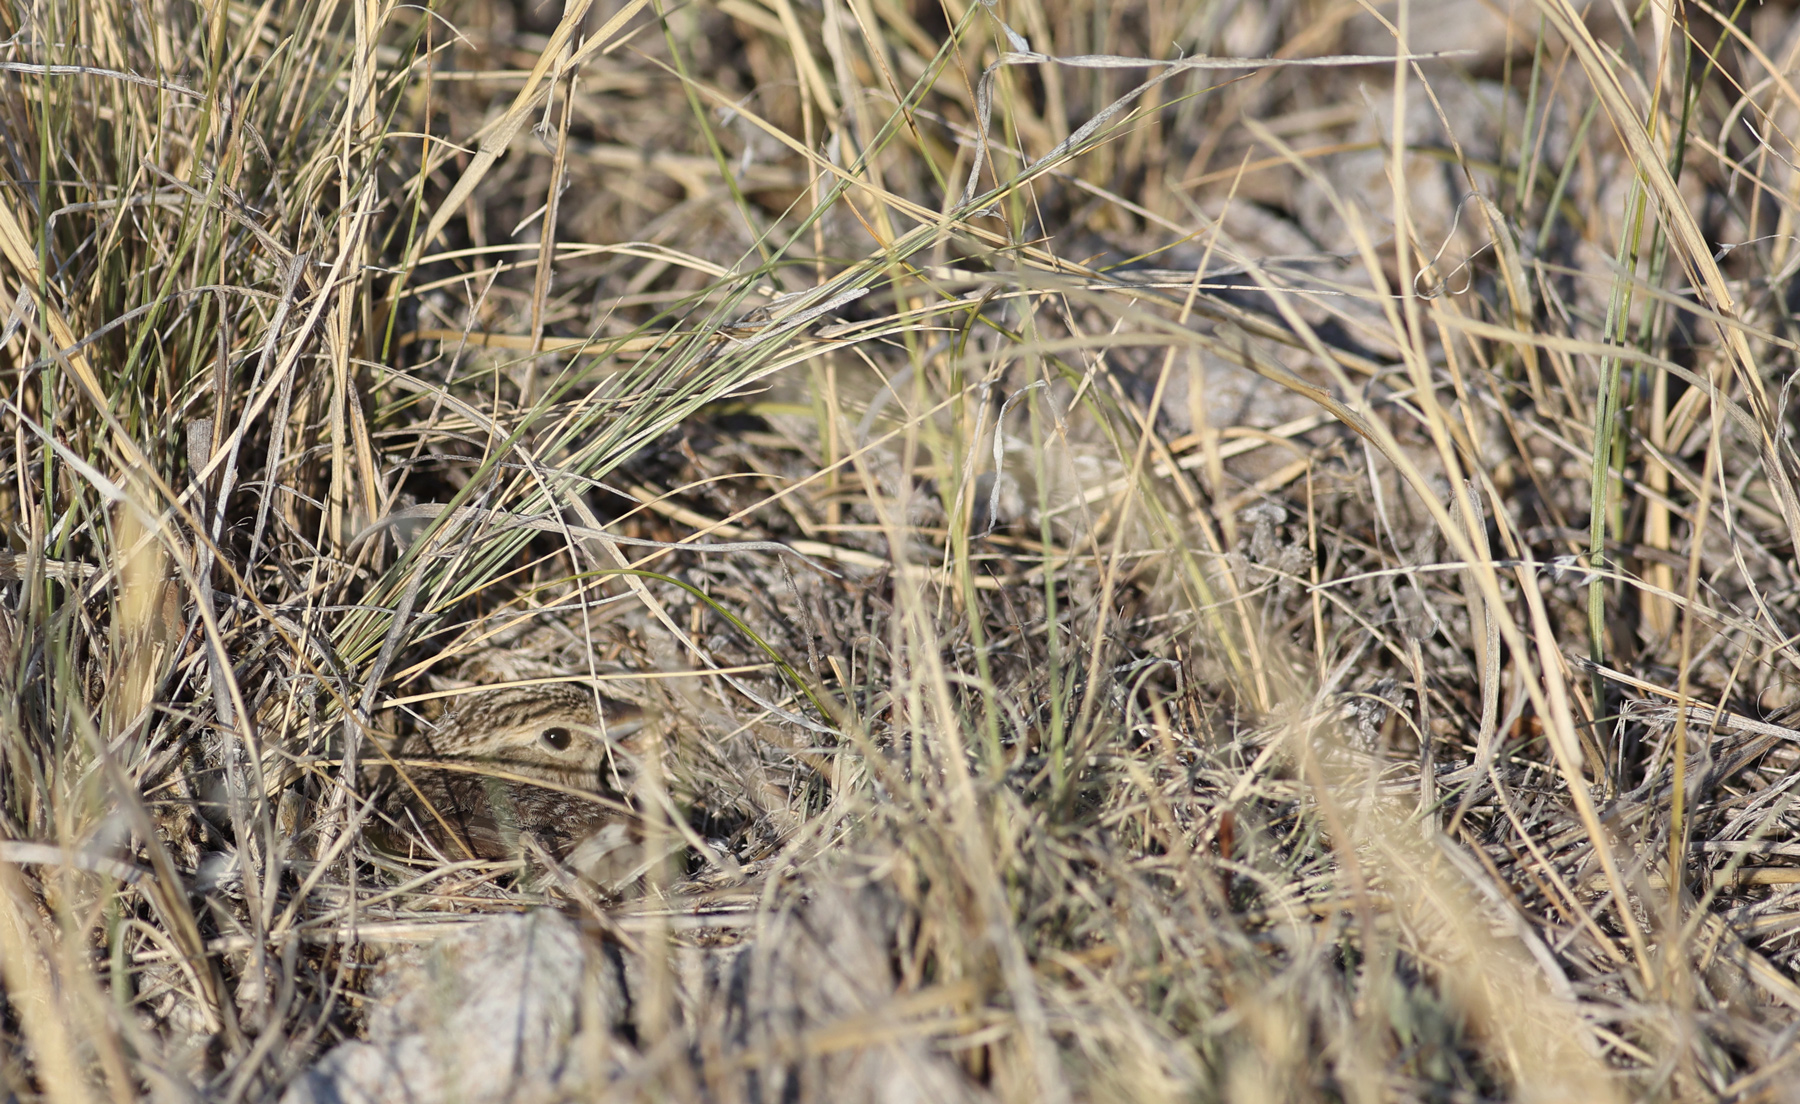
[(537, 760)]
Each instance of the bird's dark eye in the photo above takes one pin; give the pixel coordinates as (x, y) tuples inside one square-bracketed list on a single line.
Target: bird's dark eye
[(557, 739)]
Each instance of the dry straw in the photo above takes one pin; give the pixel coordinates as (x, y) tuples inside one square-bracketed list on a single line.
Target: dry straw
[(1221, 550)]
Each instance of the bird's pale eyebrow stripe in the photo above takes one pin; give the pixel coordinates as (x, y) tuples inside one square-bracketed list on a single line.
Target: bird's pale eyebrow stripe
[(547, 711)]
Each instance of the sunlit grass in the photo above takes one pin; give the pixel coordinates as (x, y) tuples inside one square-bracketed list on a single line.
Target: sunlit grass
[(1211, 550)]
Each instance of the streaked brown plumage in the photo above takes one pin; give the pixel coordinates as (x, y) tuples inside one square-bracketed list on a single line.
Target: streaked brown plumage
[(501, 743)]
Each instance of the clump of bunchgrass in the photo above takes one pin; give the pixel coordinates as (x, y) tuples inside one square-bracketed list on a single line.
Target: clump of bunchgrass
[(1159, 577)]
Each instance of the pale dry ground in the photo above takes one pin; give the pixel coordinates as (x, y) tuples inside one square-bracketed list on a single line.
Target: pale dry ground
[(1249, 580)]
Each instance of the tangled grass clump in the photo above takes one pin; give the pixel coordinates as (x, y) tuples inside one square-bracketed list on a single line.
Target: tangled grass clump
[(1227, 550)]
